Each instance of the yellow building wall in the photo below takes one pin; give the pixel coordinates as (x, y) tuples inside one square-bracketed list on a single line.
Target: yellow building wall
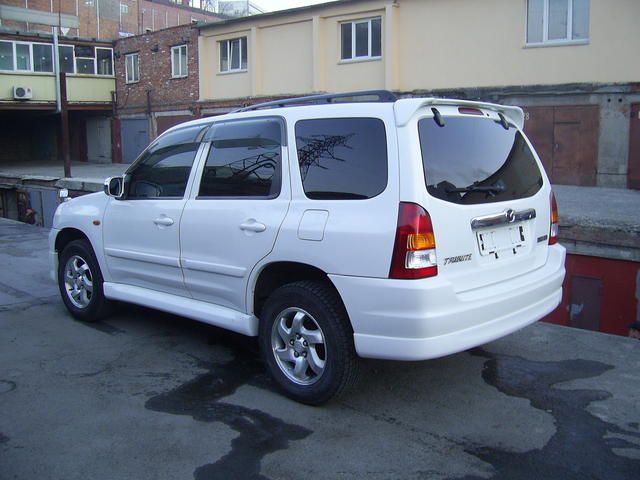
[(90, 89), (286, 58), (214, 84), (463, 43), (426, 44), (42, 86), (79, 88)]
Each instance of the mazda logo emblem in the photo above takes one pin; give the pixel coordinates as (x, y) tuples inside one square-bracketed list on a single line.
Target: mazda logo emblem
[(511, 215)]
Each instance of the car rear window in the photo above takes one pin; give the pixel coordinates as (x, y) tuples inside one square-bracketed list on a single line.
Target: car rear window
[(477, 160), (342, 158)]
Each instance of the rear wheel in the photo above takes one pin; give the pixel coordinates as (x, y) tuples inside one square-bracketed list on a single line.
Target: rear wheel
[(80, 282), (307, 342)]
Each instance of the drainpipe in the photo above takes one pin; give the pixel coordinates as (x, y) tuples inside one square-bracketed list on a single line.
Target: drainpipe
[(98, 17), (56, 69)]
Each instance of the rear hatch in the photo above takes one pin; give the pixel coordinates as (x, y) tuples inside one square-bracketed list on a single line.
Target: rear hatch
[(486, 195)]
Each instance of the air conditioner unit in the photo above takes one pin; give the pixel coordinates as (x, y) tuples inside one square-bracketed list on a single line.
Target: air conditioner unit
[(22, 93)]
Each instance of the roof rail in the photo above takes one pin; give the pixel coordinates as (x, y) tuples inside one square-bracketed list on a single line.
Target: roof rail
[(380, 96)]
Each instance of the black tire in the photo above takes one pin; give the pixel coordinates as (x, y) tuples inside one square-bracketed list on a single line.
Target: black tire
[(326, 309), (98, 306)]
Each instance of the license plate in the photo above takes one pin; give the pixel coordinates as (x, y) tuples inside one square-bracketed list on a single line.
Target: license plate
[(494, 241)]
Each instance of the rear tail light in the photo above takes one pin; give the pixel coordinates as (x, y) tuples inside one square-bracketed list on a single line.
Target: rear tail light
[(414, 253), (553, 230)]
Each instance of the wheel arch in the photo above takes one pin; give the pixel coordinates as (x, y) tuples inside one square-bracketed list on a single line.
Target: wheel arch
[(276, 274), (68, 235)]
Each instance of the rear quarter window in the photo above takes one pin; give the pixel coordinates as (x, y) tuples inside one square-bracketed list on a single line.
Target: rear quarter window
[(342, 158), (477, 160)]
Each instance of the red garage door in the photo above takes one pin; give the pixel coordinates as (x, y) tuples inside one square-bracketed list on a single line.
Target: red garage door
[(165, 123)]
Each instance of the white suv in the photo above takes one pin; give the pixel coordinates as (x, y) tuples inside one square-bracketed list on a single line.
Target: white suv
[(331, 227)]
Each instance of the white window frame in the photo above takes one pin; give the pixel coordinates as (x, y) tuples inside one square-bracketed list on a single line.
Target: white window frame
[(15, 57), (126, 68), (124, 9), (186, 63), (95, 56), (361, 58), (31, 70), (230, 69), (569, 40), (33, 60), (73, 53)]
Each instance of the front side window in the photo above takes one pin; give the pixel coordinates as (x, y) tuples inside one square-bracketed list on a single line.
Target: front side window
[(233, 55), (361, 39), (132, 68), (179, 61), (557, 21), (42, 57), (244, 159), (162, 171), (342, 158), (475, 160)]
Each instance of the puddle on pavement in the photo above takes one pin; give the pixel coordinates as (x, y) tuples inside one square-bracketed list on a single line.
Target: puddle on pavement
[(202, 398), (578, 449)]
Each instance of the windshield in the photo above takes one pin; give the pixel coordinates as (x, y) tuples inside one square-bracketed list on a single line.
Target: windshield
[(476, 160)]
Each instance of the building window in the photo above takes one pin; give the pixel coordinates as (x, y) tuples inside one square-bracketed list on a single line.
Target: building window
[(233, 55), (42, 57), (557, 21), (132, 68), (104, 61), (6, 56), (179, 61), (66, 59), (124, 9), (23, 57), (361, 39)]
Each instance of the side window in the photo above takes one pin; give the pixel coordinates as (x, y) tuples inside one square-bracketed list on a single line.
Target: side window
[(244, 159), (163, 169), (342, 158)]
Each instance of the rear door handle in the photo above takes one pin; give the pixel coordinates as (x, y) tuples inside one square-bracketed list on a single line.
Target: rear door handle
[(253, 226), (164, 221)]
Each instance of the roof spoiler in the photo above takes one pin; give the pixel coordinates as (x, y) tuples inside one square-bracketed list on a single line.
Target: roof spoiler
[(406, 108)]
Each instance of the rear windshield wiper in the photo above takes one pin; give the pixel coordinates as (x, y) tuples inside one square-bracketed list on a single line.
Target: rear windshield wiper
[(491, 189)]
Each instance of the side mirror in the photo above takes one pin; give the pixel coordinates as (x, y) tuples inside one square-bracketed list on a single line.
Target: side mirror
[(114, 187)]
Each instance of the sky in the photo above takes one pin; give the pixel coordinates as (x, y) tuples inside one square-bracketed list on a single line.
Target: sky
[(271, 5)]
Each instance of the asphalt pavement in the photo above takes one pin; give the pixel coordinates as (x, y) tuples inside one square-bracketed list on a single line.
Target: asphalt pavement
[(147, 395)]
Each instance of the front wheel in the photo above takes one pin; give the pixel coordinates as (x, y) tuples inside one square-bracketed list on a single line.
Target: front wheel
[(80, 282), (307, 342)]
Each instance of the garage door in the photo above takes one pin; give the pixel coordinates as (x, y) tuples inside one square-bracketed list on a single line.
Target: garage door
[(134, 136), (566, 138), (165, 123)]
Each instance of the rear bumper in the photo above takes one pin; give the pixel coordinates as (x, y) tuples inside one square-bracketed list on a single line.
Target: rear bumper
[(422, 319)]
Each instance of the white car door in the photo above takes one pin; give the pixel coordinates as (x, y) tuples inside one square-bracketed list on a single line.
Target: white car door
[(235, 210), (141, 230)]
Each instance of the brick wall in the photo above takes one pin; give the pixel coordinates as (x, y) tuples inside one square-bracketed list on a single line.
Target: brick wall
[(117, 17), (154, 51)]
